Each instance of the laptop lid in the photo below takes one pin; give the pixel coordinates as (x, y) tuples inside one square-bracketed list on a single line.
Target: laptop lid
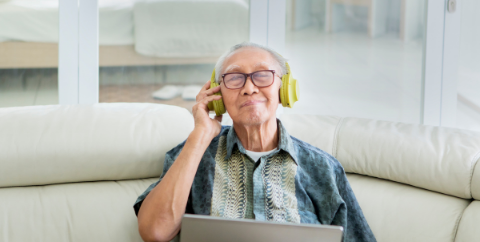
[(199, 228)]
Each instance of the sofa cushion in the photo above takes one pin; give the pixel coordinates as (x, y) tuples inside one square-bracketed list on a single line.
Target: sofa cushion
[(438, 159), (468, 227), (476, 180), (57, 144), (398, 212), (89, 211)]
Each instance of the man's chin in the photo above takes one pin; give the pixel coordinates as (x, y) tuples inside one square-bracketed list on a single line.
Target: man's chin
[(254, 118)]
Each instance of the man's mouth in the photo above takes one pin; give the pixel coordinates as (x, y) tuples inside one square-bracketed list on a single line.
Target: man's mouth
[(251, 102)]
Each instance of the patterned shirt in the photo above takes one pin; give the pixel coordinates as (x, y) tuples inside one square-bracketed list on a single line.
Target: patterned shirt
[(297, 183)]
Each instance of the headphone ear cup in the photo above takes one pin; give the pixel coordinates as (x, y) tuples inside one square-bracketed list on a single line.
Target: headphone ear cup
[(210, 106), (289, 90), (216, 105)]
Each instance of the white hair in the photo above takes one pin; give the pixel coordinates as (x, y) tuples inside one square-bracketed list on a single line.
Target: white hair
[(219, 66)]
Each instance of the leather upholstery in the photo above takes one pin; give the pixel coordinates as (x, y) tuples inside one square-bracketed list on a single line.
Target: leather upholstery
[(438, 159), (468, 229), (399, 212), (476, 180), (88, 211), (56, 144), (413, 182)]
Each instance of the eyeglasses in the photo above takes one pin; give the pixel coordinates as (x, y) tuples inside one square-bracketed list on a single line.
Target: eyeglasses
[(259, 78)]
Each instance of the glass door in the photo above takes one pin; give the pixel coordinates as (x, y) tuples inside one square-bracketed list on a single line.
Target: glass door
[(468, 77), (357, 58), (28, 52), (362, 58)]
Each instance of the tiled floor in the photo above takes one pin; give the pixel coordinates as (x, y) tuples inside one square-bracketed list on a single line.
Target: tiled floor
[(341, 74)]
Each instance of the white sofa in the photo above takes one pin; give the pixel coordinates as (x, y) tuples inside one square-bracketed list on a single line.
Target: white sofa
[(72, 173)]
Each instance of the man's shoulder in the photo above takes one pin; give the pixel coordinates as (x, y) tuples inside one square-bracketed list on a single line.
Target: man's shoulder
[(303, 146), (311, 155)]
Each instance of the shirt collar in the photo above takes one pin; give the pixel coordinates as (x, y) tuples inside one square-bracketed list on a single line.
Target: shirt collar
[(285, 142)]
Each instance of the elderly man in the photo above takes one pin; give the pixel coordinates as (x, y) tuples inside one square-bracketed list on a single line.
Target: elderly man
[(252, 170)]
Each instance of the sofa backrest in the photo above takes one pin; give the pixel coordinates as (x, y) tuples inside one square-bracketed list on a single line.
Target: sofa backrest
[(97, 159), (72, 173), (413, 182), (58, 144)]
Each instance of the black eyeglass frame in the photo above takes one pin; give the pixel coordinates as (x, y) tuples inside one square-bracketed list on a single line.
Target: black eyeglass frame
[(246, 77)]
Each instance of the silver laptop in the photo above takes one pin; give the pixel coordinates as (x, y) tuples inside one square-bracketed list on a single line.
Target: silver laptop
[(199, 228)]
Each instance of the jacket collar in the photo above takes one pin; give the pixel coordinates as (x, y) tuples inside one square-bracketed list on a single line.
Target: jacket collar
[(285, 142)]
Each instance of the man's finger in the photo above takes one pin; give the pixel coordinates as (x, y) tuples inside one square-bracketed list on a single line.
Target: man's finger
[(212, 90), (206, 86), (219, 118), (208, 99), (205, 93), (201, 94), (203, 104)]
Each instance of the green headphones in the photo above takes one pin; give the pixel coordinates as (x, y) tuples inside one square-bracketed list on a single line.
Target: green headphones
[(288, 92)]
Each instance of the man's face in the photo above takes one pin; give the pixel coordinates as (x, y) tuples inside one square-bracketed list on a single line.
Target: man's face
[(251, 105)]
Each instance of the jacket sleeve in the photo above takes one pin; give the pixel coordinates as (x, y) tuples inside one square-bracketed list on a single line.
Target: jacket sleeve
[(170, 157), (349, 214)]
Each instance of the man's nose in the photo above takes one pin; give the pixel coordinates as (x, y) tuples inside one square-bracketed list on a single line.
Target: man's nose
[(249, 88)]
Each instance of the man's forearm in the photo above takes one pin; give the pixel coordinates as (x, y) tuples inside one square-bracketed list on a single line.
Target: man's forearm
[(162, 210)]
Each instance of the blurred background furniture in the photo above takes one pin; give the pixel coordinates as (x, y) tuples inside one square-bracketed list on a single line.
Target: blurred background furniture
[(131, 32), (72, 173)]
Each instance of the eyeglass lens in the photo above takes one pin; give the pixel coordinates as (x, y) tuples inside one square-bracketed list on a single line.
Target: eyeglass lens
[(260, 79)]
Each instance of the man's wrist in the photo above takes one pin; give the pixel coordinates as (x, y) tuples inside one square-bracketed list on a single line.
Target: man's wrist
[(201, 136)]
